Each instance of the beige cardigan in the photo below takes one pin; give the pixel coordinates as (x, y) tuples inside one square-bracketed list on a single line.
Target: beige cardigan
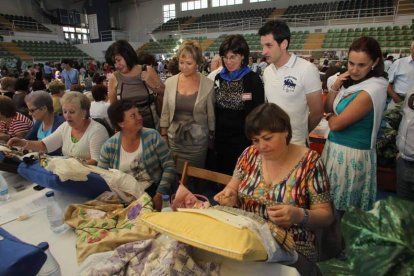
[(203, 112)]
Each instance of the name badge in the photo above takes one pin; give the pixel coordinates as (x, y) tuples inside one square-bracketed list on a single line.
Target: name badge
[(247, 96)]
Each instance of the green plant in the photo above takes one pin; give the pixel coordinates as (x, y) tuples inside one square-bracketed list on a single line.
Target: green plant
[(386, 139)]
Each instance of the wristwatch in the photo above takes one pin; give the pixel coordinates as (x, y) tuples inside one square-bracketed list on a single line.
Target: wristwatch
[(305, 219)]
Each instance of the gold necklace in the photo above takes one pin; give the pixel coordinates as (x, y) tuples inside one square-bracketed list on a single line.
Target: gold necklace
[(270, 183)]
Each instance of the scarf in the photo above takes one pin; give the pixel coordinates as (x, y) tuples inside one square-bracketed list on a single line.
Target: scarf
[(376, 87), (236, 75)]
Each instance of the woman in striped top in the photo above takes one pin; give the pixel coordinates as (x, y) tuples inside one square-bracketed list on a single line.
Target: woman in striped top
[(138, 151), (12, 123)]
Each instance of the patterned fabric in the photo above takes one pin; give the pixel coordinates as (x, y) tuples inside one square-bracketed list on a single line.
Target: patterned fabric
[(152, 258), (19, 123), (305, 185), (352, 174), (156, 156), (229, 95), (104, 223)]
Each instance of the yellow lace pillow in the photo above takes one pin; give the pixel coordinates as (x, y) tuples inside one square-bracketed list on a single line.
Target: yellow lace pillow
[(208, 233)]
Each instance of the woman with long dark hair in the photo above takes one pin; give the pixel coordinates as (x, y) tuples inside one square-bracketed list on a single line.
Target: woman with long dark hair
[(356, 102)]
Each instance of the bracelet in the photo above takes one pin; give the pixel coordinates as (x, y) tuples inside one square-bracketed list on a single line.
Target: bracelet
[(333, 90), (305, 220)]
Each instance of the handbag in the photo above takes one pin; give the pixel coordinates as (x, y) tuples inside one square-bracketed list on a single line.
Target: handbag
[(19, 258)]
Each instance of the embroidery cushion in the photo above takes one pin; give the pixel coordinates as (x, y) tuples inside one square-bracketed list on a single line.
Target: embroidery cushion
[(205, 232)]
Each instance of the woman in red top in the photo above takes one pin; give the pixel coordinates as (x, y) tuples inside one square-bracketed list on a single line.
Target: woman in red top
[(12, 123)]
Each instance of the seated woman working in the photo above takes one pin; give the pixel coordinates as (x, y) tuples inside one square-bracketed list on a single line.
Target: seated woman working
[(282, 182), (79, 136), (40, 105), (12, 123), (138, 151)]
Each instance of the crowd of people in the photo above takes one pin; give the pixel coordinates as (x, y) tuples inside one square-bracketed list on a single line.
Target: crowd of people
[(253, 116)]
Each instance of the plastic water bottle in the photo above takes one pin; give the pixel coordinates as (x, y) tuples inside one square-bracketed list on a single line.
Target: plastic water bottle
[(55, 214), (4, 189), (166, 205), (51, 266)]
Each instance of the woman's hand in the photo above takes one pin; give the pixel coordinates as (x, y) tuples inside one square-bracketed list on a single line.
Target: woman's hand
[(227, 197), (151, 77), (285, 215), (339, 81), (17, 142)]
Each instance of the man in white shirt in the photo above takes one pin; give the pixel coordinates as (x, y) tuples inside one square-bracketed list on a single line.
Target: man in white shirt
[(400, 76), (405, 145), (291, 82), (388, 62), (215, 67)]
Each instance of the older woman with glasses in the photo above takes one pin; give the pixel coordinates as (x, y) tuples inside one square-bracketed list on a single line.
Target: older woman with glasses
[(237, 91), (79, 137), (40, 106)]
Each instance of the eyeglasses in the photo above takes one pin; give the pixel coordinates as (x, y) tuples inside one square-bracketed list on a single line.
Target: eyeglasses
[(232, 57), (34, 110)]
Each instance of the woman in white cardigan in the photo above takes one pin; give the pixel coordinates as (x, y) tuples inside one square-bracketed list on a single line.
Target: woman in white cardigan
[(79, 137), (187, 118)]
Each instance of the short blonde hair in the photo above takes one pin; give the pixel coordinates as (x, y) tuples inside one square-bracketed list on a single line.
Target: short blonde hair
[(77, 98), (190, 48), (56, 87)]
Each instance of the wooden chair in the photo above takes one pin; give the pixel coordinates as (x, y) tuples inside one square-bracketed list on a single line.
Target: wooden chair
[(204, 174)]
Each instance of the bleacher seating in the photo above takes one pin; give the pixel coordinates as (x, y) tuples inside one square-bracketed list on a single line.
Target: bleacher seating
[(388, 37), (339, 10), (50, 50), (172, 24), (253, 40), (212, 20), (391, 38), (167, 45), (23, 23), (5, 54)]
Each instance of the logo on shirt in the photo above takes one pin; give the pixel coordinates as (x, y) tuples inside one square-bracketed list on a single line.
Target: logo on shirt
[(289, 84)]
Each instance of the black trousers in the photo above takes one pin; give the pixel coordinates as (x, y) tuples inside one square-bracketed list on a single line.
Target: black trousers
[(405, 179)]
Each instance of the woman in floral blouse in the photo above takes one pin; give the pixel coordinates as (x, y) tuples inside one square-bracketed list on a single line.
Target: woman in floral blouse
[(282, 182)]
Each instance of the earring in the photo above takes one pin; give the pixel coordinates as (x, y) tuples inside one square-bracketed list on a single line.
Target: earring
[(372, 67)]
